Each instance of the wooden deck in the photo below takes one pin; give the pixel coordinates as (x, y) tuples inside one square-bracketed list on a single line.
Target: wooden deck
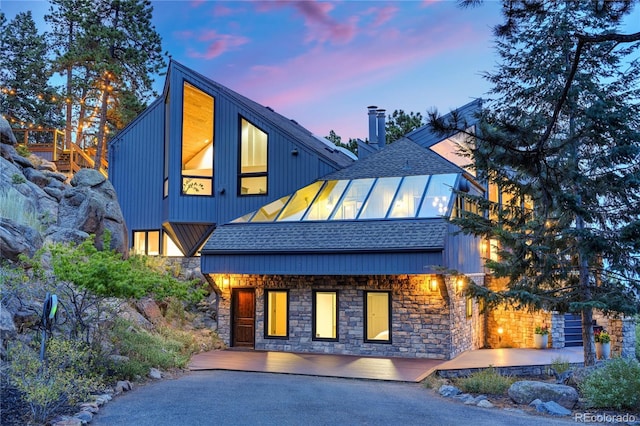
[(326, 365)]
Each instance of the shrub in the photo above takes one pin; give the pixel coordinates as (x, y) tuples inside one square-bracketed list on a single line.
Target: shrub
[(614, 386), (17, 179), (15, 206), (487, 381), (23, 151), (560, 364), (64, 378), (167, 349)]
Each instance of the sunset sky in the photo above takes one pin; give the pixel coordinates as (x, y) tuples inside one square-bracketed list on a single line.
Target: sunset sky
[(323, 63)]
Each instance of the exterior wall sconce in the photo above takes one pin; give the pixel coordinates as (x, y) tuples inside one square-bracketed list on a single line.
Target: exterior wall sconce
[(500, 331), (459, 285), (434, 284), (294, 152), (225, 281)]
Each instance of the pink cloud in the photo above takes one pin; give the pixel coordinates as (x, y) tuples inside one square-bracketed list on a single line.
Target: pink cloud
[(196, 3), (219, 44), (384, 15), (322, 26), (221, 10), (304, 78)]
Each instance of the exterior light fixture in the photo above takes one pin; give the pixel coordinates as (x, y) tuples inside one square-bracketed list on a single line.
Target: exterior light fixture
[(500, 330), (225, 281), (459, 285), (434, 284)]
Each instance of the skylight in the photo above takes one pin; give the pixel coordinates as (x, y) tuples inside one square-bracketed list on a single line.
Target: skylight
[(361, 199)]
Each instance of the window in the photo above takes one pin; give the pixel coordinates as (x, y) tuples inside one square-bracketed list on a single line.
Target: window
[(276, 313), (169, 248), (352, 200), (253, 159), (325, 315), (469, 307), (167, 114), (380, 199), (326, 201), (197, 142), (146, 242), (377, 313)]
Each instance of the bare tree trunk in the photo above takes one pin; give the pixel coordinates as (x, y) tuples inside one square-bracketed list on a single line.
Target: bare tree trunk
[(102, 124)]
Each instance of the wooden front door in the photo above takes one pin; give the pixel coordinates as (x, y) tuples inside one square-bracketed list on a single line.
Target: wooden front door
[(243, 317)]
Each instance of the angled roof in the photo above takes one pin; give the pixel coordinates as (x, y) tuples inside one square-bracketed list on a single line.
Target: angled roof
[(328, 237), (466, 114), (327, 151), (401, 158)]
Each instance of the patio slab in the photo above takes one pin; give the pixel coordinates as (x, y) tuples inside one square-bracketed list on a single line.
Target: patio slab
[(374, 368)]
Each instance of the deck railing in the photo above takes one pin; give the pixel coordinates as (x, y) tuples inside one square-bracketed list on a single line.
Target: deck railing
[(50, 144)]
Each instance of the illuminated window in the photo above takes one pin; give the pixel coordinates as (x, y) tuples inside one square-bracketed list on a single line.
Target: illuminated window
[(324, 205), (469, 307), (276, 313), (269, 212), (436, 200), (146, 243), (377, 205), (325, 315), (169, 248), (353, 199), (409, 196), (253, 159), (377, 312), (197, 142), (300, 202)]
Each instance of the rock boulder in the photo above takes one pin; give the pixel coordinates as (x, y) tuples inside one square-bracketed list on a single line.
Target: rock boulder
[(526, 391)]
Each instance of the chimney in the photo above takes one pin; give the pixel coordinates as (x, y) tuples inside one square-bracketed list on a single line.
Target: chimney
[(373, 138), (382, 133)]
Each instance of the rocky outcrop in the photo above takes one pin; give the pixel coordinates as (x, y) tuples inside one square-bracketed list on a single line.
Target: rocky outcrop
[(6, 135), (526, 391), (44, 207)]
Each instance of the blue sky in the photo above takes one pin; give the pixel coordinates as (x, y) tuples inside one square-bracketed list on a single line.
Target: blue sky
[(323, 63)]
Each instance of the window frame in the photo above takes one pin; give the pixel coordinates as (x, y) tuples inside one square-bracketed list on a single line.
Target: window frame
[(239, 169), (314, 302), (266, 314), (365, 321), (146, 241), (213, 146)]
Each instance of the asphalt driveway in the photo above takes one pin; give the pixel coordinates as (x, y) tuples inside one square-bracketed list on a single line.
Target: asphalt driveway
[(244, 398)]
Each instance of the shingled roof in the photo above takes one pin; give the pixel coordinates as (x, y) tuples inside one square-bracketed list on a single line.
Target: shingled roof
[(328, 237), (401, 158)]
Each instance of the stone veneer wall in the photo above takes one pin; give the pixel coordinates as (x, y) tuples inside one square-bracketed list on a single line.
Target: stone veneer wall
[(421, 321), (518, 325), (467, 333), (622, 331)]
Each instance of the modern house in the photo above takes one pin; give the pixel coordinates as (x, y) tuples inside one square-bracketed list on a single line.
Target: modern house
[(308, 248), (202, 155)]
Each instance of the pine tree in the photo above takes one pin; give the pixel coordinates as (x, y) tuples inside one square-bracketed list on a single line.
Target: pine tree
[(400, 123), (27, 99), (561, 140)]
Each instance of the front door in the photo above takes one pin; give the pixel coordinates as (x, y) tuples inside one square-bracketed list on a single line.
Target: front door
[(243, 313)]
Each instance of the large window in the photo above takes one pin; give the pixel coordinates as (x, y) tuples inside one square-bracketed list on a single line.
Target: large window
[(325, 315), (253, 159), (197, 142), (276, 313), (377, 311), (146, 242)]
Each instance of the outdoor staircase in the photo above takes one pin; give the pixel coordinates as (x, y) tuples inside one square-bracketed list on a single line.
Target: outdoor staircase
[(572, 330)]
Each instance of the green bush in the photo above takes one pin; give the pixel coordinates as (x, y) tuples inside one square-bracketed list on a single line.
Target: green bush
[(167, 349), (614, 386), (560, 364), (15, 206), (65, 377), (487, 381), (23, 151)]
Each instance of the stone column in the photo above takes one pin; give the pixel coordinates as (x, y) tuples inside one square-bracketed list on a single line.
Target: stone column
[(557, 330)]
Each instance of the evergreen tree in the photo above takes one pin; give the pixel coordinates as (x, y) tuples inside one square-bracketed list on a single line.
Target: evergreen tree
[(27, 98), (561, 141), (109, 53), (352, 145), (400, 123)]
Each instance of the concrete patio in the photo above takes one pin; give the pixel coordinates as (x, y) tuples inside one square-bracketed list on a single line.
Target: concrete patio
[(375, 368)]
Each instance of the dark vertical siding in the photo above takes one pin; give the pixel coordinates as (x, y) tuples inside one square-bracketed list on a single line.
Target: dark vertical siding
[(135, 169), (324, 263)]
